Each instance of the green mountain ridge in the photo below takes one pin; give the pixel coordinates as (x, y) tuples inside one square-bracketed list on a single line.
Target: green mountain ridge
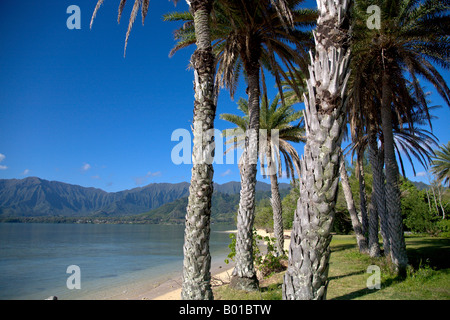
[(35, 197)]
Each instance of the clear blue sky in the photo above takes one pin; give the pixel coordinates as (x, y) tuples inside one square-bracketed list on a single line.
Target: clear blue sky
[(73, 109)]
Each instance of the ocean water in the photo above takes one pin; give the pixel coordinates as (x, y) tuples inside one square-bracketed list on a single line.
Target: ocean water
[(34, 258)]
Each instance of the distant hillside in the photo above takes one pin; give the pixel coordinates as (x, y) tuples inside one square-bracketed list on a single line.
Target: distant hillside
[(420, 185), (38, 197), (35, 197)]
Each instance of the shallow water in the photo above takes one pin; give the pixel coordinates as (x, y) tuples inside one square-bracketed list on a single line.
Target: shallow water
[(34, 257)]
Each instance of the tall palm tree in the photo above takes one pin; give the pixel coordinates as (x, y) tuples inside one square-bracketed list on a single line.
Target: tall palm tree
[(309, 251), (249, 36), (197, 259), (357, 227), (276, 120), (410, 140), (413, 36), (440, 166)]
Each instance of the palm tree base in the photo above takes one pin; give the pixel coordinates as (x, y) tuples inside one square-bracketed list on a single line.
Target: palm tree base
[(244, 283)]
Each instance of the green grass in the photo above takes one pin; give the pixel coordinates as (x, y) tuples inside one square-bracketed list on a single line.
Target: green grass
[(428, 274)]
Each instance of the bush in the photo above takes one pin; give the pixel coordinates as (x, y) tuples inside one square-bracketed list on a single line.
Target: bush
[(418, 215), (267, 263), (444, 228)]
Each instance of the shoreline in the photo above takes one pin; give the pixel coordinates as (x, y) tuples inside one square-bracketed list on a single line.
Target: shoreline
[(168, 287), (164, 287), (217, 277), (223, 276)]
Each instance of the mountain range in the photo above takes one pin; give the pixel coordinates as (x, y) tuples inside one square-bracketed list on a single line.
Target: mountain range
[(35, 197)]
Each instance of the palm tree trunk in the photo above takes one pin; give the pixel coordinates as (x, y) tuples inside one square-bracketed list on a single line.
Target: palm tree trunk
[(360, 238), (376, 204), (362, 195), (379, 194), (382, 211), (276, 203), (440, 202), (307, 275), (197, 259), (244, 274), (393, 205)]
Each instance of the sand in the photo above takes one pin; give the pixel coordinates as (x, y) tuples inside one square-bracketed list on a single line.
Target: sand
[(218, 277)]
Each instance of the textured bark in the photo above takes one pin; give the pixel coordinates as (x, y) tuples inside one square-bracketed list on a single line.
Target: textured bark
[(363, 196), (276, 203), (307, 275), (393, 205), (360, 238), (374, 246), (382, 212), (244, 274), (197, 259), (377, 201)]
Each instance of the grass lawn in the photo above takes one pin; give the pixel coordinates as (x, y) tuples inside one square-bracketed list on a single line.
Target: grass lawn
[(428, 275)]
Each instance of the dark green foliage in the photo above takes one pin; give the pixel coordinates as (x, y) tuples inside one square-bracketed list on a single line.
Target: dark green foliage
[(289, 204), (264, 213), (419, 216), (342, 223)]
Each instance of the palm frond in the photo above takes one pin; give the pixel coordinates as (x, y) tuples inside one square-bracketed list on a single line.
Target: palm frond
[(94, 14), (440, 166)]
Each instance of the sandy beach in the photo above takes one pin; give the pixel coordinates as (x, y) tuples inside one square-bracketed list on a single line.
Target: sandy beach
[(168, 287), (219, 276)]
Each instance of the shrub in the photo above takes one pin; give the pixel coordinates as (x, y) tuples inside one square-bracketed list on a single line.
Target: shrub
[(267, 263)]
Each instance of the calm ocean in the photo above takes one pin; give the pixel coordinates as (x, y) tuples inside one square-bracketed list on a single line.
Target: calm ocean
[(34, 257)]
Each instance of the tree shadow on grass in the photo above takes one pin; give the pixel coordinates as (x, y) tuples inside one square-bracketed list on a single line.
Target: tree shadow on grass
[(342, 247), (433, 252), (366, 291), (428, 251), (346, 275)]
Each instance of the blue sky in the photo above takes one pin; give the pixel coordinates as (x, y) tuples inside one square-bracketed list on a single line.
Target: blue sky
[(73, 109)]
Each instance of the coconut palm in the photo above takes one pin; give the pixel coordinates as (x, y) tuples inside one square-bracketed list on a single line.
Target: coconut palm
[(249, 36), (440, 166), (275, 121), (309, 251), (413, 36), (197, 258)]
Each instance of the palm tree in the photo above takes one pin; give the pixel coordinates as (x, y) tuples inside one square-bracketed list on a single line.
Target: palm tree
[(440, 166), (249, 36), (197, 259), (413, 36), (357, 227), (409, 139), (276, 121), (309, 251)]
